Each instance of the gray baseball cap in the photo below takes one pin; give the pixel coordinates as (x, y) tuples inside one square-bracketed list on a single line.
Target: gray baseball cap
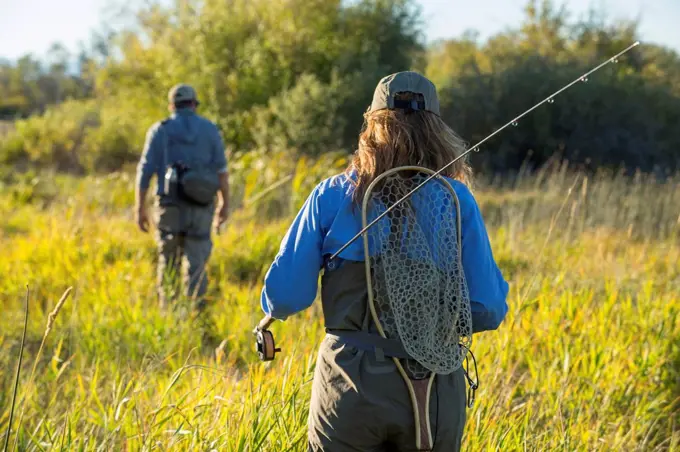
[(408, 81), (181, 93)]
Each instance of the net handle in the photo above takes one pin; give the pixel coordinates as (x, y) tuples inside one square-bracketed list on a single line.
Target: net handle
[(420, 441)]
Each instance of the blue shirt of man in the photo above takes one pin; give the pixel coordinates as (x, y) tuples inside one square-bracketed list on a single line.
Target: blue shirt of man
[(189, 138)]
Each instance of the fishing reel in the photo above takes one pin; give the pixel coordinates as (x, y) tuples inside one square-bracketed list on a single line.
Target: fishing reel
[(264, 340)]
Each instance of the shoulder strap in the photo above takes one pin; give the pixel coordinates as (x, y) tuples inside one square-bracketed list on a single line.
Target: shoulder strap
[(165, 142)]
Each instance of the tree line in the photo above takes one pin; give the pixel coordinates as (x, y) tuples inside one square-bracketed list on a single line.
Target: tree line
[(296, 75)]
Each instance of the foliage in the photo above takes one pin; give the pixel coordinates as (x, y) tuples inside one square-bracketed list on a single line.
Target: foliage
[(587, 358), (304, 118), (29, 85), (74, 137), (296, 76), (53, 139), (283, 75), (625, 115), (241, 55)]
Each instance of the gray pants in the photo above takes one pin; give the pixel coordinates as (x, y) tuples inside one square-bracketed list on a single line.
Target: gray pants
[(361, 403), (184, 247)]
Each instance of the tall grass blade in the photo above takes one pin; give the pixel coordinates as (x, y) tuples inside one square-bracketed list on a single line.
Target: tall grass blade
[(18, 374), (51, 318)]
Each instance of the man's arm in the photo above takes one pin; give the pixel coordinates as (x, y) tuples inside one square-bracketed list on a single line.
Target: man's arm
[(223, 174), (224, 188), (141, 215), (224, 195), (146, 168)]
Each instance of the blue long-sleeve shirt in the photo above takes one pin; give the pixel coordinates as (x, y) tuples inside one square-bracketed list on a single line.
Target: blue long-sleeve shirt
[(329, 218), (190, 139)]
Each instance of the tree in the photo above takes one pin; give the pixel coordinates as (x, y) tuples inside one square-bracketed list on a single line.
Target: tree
[(625, 115)]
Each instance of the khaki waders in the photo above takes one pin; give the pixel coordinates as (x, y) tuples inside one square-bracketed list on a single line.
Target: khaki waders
[(359, 400), (184, 243)]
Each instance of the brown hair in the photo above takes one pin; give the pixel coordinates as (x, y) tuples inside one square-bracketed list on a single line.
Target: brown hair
[(393, 138)]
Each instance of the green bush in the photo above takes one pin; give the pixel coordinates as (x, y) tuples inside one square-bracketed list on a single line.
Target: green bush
[(55, 139), (305, 118), (625, 115)]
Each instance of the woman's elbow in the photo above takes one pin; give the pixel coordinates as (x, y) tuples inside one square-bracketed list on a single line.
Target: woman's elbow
[(499, 307), (499, 314), (486, 321), (488, 317), (287, 302)]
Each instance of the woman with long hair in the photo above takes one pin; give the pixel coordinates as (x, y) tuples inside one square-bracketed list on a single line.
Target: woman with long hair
[(373, 389)]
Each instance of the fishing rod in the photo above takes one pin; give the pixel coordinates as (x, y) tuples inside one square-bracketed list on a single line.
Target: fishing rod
[(513, 122)]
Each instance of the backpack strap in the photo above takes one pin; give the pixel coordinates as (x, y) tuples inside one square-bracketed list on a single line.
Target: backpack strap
[(165, 141), (165, 148)]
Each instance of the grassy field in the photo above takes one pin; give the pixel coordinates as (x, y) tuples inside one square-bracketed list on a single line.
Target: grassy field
[(587, 359), (5, 127)]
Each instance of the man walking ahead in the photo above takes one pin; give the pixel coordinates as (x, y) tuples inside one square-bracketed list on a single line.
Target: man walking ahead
[(186, 153)]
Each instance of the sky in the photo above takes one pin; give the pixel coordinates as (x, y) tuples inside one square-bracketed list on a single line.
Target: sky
[(31, 26)]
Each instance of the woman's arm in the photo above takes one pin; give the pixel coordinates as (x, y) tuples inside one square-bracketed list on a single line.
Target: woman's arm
[(290, 284), (488, 289)]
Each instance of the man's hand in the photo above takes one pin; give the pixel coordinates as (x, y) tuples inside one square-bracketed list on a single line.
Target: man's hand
[(142, 218), (224, 195), (223, 215)]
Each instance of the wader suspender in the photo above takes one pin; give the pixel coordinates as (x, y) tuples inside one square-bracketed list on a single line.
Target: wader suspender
[(165, 153), (419, 390)]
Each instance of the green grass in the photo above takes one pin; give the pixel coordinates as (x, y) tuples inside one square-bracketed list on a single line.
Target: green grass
[(587, 359)]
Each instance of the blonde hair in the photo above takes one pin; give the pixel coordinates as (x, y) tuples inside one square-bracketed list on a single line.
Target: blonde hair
[(393, 138)]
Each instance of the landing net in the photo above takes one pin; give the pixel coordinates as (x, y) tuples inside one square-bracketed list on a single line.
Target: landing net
[(419, 292)]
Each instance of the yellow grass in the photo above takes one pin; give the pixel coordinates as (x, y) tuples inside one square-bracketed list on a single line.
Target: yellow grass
[(587, 359)]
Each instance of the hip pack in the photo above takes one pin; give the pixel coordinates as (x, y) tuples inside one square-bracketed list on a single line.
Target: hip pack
[(195, 185)]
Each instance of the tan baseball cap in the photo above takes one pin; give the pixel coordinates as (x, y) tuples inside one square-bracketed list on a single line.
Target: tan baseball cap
[(181, 92), (407, 81)]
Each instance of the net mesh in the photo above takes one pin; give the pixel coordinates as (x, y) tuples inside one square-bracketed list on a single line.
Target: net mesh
[(420, 294)]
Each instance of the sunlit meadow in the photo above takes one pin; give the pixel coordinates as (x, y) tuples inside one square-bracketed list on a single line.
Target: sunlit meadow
[(587, 359)]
